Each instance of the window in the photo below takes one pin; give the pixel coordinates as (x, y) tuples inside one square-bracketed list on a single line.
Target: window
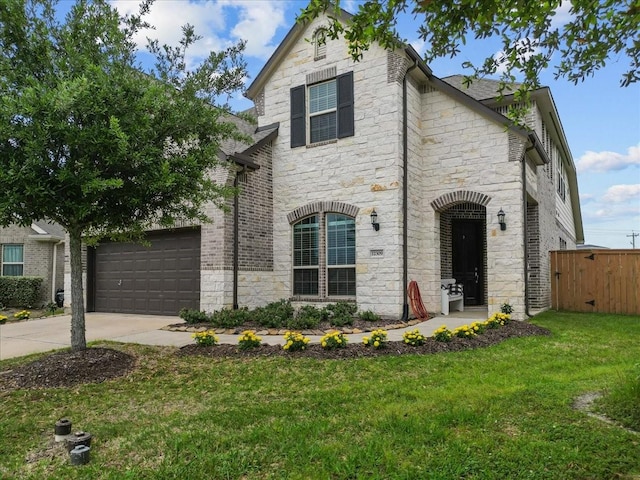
[(12, 260), (320, 44), (318, 272), (329, 113), (322, 112), (563, 244)]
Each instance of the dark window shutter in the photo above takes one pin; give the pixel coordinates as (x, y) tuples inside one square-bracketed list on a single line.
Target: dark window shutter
[(345, 105), (298, 117)]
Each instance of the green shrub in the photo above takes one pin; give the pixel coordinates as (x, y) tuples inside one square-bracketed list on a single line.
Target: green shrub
[(414, 338), (369, 316), (273, 315), (205, 339), (334, 340), (20, 291), (294, 341), (377, 339), (442, 334), (227, 318), (191, 315), (248, 340), (341, 313), (307, 317), (506, 308)]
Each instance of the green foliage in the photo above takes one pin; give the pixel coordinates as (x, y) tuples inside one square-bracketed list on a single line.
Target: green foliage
[(413, 338), (531, 38), (307, 317), (377, 339), (341, 313), (621, 402), (20, 291), (369, 316), (89, 141), (464, 331), (206, 338), (295, 341), (506, 308), (442, 334), (248, 340), (228, 318), (333, 340), (274, 315), (191, 316)]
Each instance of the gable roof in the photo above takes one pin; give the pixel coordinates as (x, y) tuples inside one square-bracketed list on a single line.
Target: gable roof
[(47, 231), (289, 40)]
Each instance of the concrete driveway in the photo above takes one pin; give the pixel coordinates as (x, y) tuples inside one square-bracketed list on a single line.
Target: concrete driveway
[(51, 333)]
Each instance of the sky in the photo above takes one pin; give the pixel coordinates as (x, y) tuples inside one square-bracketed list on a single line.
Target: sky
[(601, 120)]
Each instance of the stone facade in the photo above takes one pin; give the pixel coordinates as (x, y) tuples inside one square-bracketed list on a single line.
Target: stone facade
[(464, 159)]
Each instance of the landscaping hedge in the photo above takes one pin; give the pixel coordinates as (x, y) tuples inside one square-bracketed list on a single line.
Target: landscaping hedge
[(20, 291)]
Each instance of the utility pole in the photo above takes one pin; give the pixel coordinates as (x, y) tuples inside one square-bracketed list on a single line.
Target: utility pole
[(633, 238)]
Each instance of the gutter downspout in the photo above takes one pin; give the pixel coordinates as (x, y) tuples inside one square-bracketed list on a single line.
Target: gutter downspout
[(236, 248), (53, 270), (525, 231), (405, 190)]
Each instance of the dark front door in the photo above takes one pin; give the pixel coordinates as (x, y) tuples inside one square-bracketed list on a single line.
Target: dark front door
[(467, 251)]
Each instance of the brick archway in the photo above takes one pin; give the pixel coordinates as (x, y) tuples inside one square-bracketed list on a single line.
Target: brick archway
[(460, 196), (319, 207)]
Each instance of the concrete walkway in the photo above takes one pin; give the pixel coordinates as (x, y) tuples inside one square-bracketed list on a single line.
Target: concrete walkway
[(52, 333)]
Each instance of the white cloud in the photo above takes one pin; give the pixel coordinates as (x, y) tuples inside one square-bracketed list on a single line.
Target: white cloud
[(607, 161), (622, 193), (562, 15), (587, 197), (168, 17), (258, 22)]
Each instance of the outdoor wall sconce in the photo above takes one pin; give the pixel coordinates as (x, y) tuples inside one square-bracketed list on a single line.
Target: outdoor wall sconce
[(374, 220), (503, 224)]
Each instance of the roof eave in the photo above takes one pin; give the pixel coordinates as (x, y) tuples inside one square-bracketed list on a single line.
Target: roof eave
[(292, 36)]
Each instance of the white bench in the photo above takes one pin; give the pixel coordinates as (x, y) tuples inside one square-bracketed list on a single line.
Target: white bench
[(452, 295)]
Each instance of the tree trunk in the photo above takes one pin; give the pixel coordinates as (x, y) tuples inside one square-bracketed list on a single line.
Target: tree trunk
[(78, 337)]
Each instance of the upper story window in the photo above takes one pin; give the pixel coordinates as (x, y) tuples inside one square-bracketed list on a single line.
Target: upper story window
[(322, 112), (323, 109), (320, 44), (12, 260)]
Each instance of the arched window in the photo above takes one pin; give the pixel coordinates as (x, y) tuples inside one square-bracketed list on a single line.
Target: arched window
[(320, 44), (324, 256)]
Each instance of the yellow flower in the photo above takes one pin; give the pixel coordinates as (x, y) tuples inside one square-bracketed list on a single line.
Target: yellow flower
[(376, 344)]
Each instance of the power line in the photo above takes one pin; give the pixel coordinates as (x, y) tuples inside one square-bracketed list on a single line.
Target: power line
[(633, 238)]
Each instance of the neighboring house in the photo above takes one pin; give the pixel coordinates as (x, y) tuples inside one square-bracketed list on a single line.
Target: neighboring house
[(341, 144), (35, 251)]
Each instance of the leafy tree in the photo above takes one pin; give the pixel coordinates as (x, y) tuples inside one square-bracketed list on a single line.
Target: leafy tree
[(90, 141), (597, 31)]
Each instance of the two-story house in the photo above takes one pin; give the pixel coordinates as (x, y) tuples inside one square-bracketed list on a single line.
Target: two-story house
[(364, 176)]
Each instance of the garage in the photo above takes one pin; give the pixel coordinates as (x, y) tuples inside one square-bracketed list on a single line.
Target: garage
[(156, 279)]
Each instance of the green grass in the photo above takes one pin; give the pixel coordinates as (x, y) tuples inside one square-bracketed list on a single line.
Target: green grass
[(495, 413), (622, 401)]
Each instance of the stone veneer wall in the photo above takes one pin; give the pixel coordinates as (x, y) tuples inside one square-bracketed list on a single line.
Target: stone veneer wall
[(462, 150), (362, 170)]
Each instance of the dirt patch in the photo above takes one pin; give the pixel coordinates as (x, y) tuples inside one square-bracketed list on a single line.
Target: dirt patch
[(95, 365)]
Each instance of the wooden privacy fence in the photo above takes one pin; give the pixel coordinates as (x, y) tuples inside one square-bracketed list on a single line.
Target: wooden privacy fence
[(605, 281)]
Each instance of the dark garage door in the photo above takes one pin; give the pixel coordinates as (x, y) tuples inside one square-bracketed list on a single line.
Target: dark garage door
[(159, 279)]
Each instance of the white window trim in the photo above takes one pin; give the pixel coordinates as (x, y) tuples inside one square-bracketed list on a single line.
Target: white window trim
[(3, 263)]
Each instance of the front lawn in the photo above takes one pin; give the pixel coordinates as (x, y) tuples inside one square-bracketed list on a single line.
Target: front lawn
[(498, 412)]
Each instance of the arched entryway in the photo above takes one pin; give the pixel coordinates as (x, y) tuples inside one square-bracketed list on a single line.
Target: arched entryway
[(463, 242)]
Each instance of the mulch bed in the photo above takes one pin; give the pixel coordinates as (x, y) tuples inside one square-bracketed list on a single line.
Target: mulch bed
[(358, 350), (95, 365)]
